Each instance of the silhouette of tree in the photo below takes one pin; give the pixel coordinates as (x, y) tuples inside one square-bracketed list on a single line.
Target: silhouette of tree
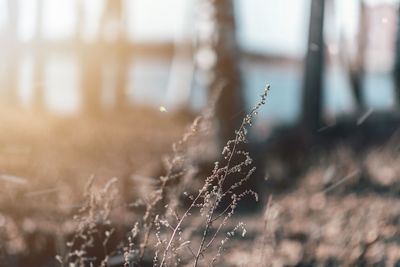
[(90, 57), (314, 68), (396, 72), (11, 57), (224, 72), (356, 70), (112, 22), (39, 77)]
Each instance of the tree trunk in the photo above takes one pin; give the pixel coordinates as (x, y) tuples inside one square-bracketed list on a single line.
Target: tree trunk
[(90, 58), (314, 68), (11, 57), (396, 72), (113, 15), (91, 64), (39, 77), (356, 70), (225, 73), (121, 101)]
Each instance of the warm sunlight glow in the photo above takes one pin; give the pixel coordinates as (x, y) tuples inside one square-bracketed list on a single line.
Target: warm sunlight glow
[(59, 18)]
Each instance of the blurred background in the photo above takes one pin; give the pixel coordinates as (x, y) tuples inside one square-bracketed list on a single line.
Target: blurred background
[(101, 88), (96, 55)]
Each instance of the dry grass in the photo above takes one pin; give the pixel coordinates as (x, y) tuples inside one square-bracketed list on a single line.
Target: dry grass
[(46, 161), (343, 212), (162, 233)]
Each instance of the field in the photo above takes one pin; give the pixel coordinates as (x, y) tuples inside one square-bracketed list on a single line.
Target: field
[(344, 210)]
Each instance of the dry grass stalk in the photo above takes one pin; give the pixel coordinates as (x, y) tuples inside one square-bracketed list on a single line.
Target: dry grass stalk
[(163, 221)]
